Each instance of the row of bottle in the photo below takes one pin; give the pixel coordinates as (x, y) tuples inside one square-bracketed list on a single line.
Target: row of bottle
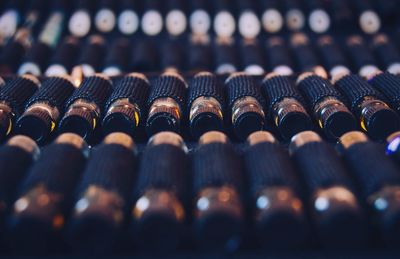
[(172, 199), (248, 17), (240, 105), (118, 55)]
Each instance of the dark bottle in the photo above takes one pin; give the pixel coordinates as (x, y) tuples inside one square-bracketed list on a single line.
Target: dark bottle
[(246, 104), (389, 85), (217, 184), (103, 196), (166, 101), (335, 210), (13, 97), (279, 217), (285, 105), (326, 103), (379, 181), (126, 107), (374, 114), (46, 195), (161, 194), (44, 108), (84, 108), (206, 103), (16, 156)]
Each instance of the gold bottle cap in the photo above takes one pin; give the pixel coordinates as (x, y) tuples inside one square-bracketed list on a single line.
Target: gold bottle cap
[(303, 138), (213, 137), (25, 143), (167, 137), (72, 139), (353, 137), (120, 138), (260, 137)]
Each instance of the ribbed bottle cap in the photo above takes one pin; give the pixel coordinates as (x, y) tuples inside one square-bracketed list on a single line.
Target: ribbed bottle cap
[(79, 121), (206, 118), (337, 120), (35, 123), (163, 120), (292, 120), (121, 119), (248, 120), (380, 121)]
